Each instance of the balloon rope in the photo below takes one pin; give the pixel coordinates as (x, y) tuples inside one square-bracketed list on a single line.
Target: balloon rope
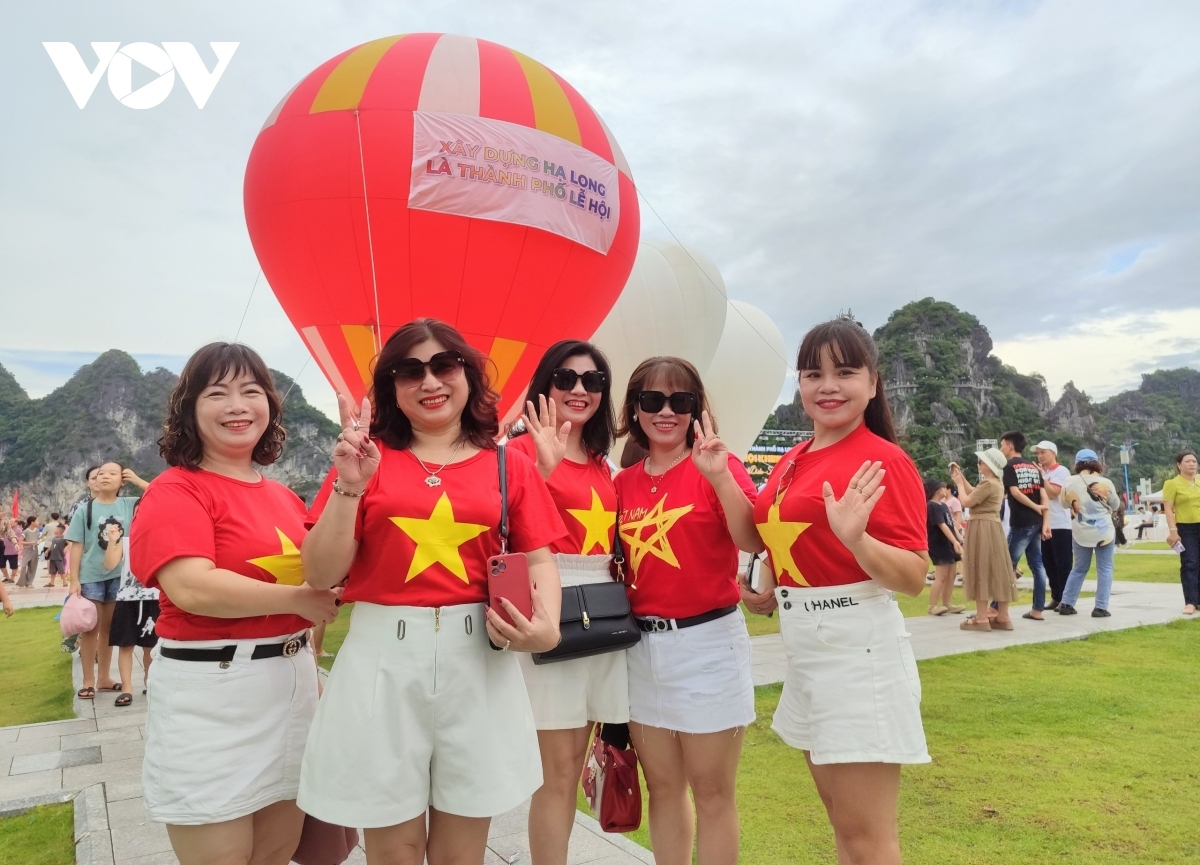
[(370, 245), (247, 309), (283, 399), (787, 363)]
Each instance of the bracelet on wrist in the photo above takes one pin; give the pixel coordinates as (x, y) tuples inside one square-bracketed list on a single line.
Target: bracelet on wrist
[(337, 488)]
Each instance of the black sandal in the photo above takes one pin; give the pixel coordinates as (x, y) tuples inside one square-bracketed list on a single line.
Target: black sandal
[(124, 700), (88, 693)]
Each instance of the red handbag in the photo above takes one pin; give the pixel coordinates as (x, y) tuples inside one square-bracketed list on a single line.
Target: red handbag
[(611, 785), (323, 843)]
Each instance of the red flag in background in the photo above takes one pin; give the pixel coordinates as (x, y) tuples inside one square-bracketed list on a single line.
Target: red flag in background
[(16, 509)]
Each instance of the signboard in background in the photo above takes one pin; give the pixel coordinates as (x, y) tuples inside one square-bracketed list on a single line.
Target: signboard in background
[(769, 448)]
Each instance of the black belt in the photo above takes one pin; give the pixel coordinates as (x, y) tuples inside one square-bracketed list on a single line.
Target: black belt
[(224, 654), (652, 625)]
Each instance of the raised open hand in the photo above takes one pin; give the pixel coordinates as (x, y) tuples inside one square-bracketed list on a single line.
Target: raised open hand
[(355, 456), (848, 515), (709, 453), (549, 439)]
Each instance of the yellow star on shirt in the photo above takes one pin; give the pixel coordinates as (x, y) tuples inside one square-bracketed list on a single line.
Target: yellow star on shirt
[(597, 522), (661, 520), (779, 537), (438, 539), (286, 567)]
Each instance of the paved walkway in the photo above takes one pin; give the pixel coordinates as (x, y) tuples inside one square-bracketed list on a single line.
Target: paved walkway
[(96, 759)]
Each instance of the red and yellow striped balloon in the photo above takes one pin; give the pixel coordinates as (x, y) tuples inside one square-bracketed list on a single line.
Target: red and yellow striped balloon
[(512, 289)]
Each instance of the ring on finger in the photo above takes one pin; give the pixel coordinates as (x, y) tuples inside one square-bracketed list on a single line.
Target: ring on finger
[(507, 643), (341, 437)]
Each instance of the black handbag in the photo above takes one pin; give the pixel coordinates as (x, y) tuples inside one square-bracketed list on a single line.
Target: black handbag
[(595, 618)]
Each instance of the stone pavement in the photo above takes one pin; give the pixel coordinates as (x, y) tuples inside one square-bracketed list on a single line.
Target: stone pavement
[(1131, 604)]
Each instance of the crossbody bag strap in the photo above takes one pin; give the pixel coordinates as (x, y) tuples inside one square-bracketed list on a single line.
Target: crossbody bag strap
[(502, 462), (618, 547)]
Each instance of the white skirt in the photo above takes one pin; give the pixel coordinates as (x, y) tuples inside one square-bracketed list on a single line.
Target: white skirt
[(419, 711), (693, 680), (566, 695), (851, 693), (224, 741)]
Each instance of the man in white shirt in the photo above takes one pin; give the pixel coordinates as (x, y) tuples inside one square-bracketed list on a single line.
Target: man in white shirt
[(1056, 552)]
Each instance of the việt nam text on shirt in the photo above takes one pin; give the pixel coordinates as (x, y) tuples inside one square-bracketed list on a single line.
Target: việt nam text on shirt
[(586, 499), (681, 559), (790, 512), (428, 546), (252, 529)]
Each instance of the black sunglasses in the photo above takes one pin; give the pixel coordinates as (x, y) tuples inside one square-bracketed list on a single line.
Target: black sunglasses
[(593, 380), (443, 365), (652, 401)]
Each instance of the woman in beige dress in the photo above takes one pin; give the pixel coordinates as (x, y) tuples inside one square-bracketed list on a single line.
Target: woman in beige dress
[(987, 569)]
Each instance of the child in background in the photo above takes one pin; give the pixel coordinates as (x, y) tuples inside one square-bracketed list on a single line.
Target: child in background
[(944, 548), (56, 556)]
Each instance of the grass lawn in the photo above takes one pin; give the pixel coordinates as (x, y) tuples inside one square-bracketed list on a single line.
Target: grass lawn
[(43, 836), (1061, 752), (335, 634), (37, 677), (1143, 569)]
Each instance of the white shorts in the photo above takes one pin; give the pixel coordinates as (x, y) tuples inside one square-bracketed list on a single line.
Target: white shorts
[(851, 693), (223, 742), (419, 710), (693, 680), (566, 695)]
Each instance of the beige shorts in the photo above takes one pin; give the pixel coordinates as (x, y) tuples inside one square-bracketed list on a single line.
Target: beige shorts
[(851, 693), (419, 711), (223, 742), (566, 695)]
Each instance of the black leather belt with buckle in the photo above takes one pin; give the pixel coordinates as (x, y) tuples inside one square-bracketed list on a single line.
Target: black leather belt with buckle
[(224, 654), (651, 626)]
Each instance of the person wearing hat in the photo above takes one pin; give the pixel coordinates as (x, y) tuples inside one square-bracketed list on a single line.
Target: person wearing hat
[(1056, 550), (1092, 500), (987, 568)]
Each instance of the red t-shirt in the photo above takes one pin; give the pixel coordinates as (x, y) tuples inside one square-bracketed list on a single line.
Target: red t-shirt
[(422, 546), (586, 500), (681, 558), (801, 547), (253, 529)]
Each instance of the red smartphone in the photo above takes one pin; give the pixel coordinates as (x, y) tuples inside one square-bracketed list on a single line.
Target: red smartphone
[(508, 578)]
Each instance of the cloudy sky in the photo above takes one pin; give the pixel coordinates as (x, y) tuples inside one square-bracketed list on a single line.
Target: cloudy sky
[(1036, 164)]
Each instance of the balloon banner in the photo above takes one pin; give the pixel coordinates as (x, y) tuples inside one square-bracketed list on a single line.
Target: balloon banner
[(528, 177), (354, 243)]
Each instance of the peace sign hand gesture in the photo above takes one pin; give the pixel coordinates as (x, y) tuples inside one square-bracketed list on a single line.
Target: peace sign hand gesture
[(549, 439), (355, 456), (709, 453), (848, 515)]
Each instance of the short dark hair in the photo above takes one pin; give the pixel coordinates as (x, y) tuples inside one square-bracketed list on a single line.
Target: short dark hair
[(1015, 438), (54, 515), (932, 486), (1089, 466), (480, 421), (601, 428), (851, 345), (676, 371), (1186, 452), (180, 444)]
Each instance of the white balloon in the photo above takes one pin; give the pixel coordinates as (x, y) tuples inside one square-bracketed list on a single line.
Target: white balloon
[(746, 375), (673, 304)]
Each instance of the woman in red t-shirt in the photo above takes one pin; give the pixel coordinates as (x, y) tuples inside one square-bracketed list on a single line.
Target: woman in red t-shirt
[(570, 429), (422, 720), (686, 509), (234, 688), (851, 697)]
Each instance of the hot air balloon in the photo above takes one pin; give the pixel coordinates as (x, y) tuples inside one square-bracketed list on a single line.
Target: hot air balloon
[(445, 176), (746, 375), (674, 303)]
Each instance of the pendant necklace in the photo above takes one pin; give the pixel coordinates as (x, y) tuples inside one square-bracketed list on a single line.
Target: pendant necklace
[(433, 480), (655, 480)]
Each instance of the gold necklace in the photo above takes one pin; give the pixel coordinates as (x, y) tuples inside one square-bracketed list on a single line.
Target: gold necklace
[(655, 480)]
